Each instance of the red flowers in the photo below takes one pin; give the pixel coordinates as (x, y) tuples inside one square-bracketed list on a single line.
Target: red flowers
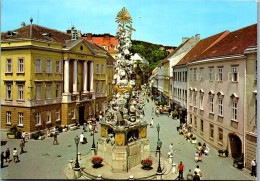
[(97, 160), (147, 162)]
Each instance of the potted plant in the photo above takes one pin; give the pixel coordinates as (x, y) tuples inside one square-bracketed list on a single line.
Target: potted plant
[(41, 135), (35, 135), (222, 153), (65, 128), (147, 163), (97, 161), (174, 114), (59, 128), (239, 162), (193, 140)]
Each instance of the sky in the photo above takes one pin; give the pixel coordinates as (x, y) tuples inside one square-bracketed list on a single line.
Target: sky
[(162, 22)]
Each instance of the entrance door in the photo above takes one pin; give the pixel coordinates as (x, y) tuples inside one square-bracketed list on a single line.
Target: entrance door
[(235, 145), (81, 115)]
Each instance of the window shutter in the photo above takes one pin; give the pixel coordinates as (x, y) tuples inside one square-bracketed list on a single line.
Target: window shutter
[(230, 76)]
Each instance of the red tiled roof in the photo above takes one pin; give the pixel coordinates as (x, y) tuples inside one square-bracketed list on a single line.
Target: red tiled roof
[(202, 46), (110, 42), (234, 43), (37, 31)]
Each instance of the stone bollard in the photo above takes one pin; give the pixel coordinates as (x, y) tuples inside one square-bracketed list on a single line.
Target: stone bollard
[(131, 177), (79, 156), (99, 177), (77, 173), (93, 151), (174, 168), (171, 159), (71, 164), (159, 176)]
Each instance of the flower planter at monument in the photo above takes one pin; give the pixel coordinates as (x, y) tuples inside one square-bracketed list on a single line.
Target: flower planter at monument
[(147, 163), (97, 161)]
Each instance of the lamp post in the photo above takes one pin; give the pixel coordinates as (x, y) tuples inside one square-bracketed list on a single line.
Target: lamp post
[(77, 143), (159, 145), (158, 130), (93, 127)]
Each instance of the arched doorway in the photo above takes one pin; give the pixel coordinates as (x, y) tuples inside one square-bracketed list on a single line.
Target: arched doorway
[(235, 145)]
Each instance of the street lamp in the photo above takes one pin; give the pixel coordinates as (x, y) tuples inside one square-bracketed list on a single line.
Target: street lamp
[(159, 145), (158, 130), (77, 143), (93, 127)]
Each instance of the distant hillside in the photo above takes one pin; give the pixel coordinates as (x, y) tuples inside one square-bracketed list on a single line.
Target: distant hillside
[(152, 52)]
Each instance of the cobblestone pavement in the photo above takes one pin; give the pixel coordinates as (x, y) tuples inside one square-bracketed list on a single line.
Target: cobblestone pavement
[(213, 167), (44, 160)]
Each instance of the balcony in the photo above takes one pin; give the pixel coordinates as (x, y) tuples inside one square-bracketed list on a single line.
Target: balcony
[(82, 97)]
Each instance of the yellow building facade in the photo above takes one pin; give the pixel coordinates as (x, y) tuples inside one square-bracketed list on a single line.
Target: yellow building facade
[(49, 79)]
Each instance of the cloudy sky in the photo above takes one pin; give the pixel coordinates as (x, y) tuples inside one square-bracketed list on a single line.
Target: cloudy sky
[(157, 21)]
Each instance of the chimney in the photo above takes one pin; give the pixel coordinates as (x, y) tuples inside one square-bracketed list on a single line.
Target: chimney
[(197, 36), (184, 39), (69, 32), (79, 33), (23, 24), (106, 36), (89, 36)]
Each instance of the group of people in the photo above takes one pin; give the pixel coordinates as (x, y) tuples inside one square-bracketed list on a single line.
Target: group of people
[(5, 156), (190, 176)]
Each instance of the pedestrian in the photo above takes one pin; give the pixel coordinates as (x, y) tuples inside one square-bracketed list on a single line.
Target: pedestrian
[(7, 155), (189, 175), (181, 170), (152, 122), (198, 171), (55, 138), (171, 149), (2, 159), (82, 139), (15, 155), (196, 177), (253, 164), (96, 127), (152, 111), (23, 136), (22, 146), (100, 117)]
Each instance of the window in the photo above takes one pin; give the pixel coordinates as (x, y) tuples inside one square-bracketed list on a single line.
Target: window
[(211, 99), (20, 65), (8, 91), (57, 91), (102, 87), (102, 69), (58, 67), (20, 92), (220, 135), (57, 114), (38, 65), (38, 118), (201, 125), (211, 131), (8, 117), (97, 68), (20, 119), (201, 101), (8, 65), (38, 91), (90, 110), (195, 99), (190, 74), (195, 74), (48, 117), (220, 107), (97, 107), (201, 74), (48, 91), (234, 110), (48, 66), (195, 122), (220, 74), (235, 74), (190, 98), (97, 87), (211, 74), (73, 115)]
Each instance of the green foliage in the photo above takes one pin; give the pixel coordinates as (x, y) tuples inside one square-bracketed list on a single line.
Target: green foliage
[(174, 113), (35, 135), (59, 128), (13, 129), (16, 132)]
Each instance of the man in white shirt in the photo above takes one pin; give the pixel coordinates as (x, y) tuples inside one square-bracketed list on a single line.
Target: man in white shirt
[(253, 164)]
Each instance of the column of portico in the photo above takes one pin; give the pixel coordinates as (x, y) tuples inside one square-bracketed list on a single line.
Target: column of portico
[(91, 76), (85, 78), (66, 96), (75, 77)]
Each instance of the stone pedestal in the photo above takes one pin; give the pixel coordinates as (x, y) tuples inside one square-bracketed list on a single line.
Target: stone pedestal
[(71, 164), (159, 176), (77, 173), (93, 151), (171, 159), (79, 156), (99, 177), (174, 168)]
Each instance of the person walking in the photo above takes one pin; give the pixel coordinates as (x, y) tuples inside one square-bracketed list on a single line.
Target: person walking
[(2, 159), (82, 139), (22, 146), (253, 165), (152, 122), (181, 170), (55, 139), (15, 155), (198, 171), (189, 175), (7, 155), (171, 149), (152, 111), (23, 136), (196, 177)]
